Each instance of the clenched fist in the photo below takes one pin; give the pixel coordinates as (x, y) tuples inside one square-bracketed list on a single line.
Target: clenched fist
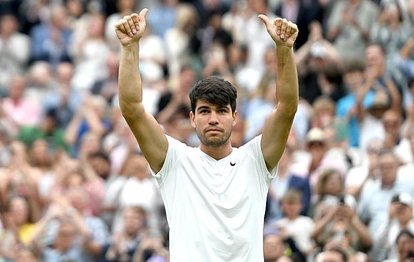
[(282, 31), (131, 27)]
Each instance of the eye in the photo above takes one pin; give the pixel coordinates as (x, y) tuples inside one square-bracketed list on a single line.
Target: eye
[(203, 111)]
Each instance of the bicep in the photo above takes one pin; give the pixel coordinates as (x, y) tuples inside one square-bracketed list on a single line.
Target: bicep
[(274, 136), (150, 137)]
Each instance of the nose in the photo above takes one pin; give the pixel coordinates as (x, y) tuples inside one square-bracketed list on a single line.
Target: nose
[(213, 120)]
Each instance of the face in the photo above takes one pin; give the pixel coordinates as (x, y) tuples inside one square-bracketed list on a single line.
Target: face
[(65, 236), (353, 80), (213, 123), (19, 210), (374, 56), (273, 247), (405, 245), (333, 184), (100, 166), (291, 208), (388, 167), (137, 166), (133, 221), (391, 122), (329, 256)]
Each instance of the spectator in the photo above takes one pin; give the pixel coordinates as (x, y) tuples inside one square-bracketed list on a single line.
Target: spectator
[(123, 8), (375, 96), (349, 26), (332, 255), (294, 225), (139, 189), (51, 39), (275, 248), (124, 244), (393, 137), (341, 228), (90, 54), (14, 50), (346, 107), (391, 30), (17, 109), (287, 180), (47, 130), (181, 41), (400, 217), (405, 246), (319, 156), (375, 193)]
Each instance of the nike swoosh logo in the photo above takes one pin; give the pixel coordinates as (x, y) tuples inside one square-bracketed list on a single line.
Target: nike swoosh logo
[(232, 164)]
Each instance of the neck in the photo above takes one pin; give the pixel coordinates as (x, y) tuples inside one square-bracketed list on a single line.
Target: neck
[(218, 152)]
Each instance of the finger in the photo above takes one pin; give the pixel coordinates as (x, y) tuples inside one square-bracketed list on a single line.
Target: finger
[(283, 29), (143, 13), (265, 20), (135, 19), (290, 29), (119, 26), (126, 28), (278, 24), (131, 25)]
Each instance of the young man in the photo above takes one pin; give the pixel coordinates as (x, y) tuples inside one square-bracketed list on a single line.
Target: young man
[(215, 194)]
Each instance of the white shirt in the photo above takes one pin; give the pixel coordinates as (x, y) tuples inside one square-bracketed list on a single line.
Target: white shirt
[(215, 208)]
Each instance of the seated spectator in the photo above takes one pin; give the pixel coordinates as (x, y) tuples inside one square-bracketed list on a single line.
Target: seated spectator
[(275, 248), (368, 169), (328, 191), (14, 50), (342, 215), (400, 217), (405, 246), (123, 244), (47, 130), (51, 39), (286, 181), (349, 25), (372, 208), (90, 54), (318, 155), (72, 174), (294, 225), (67, 229), (17, 109), (332, 255), (353, 77), (139, 189)]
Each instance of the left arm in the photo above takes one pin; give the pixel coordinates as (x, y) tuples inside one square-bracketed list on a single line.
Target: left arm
[(277, 127)]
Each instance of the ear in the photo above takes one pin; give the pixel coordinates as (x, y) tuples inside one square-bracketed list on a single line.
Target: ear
[(192, 119), (235, 114)]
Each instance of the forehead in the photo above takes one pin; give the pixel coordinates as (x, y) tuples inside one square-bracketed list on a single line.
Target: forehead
[(205, 104)]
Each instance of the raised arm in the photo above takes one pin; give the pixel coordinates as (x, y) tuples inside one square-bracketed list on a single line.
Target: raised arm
[(143, 125), (277, 127)]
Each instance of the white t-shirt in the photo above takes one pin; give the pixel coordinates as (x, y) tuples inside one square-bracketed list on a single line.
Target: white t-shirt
[(215, 208)]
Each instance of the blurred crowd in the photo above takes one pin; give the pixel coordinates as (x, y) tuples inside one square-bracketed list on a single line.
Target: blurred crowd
[(74, 186)]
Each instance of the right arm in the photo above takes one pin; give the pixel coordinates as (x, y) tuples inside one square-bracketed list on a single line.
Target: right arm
[(147, 131)]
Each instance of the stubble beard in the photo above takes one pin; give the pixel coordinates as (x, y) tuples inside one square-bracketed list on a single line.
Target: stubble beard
[(214, 141)]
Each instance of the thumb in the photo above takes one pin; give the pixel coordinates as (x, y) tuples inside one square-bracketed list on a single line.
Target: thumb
[(143, 12), (265, 20)]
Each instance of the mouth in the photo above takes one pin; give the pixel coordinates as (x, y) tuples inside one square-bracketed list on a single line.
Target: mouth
[(213, 130)]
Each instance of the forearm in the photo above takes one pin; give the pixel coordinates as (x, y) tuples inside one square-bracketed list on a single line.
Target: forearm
[(407, 48), (287, 80), (362, 231), (130, 86)]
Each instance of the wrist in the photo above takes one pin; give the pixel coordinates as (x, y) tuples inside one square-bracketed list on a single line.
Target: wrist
[(130, 46)]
